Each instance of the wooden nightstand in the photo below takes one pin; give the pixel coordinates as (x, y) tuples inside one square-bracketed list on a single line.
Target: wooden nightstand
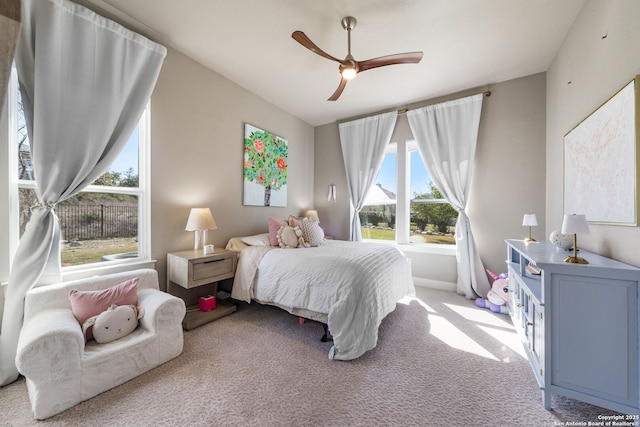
[(192, 274)]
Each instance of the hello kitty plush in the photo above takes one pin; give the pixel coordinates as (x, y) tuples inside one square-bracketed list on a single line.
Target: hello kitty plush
[(115, 322)]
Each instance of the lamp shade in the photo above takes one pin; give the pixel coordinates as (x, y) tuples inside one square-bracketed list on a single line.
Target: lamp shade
[(200, 219), (575, 224), (312, 214), (530, 220)]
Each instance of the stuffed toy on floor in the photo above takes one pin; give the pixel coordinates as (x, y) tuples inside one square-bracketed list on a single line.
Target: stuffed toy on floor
[(498, 297)]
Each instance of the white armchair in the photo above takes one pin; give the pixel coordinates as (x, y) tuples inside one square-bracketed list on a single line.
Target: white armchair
[(61, 371)]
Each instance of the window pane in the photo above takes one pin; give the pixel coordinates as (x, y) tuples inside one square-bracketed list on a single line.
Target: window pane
[(432, 218), (378, 222), (124, 171), (98, 227), (95, 227), (25, 165), (378, 216)]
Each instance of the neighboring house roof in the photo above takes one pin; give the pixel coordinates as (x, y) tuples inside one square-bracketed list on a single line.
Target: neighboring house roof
[(379, 196)]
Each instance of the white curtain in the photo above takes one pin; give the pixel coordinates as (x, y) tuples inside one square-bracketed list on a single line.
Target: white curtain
[(447, 135), (363, 146), (9, 30), (85, 82)]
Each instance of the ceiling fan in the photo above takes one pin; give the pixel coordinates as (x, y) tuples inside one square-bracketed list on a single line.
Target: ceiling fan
[(349, 67)]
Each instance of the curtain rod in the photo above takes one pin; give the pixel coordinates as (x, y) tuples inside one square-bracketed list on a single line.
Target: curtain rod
[(124, 19), (404, 110)]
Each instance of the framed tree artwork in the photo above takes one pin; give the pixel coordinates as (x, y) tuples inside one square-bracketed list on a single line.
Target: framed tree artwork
[(265, 168)]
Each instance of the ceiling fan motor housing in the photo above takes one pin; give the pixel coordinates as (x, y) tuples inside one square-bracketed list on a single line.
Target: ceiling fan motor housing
[(349, 23)]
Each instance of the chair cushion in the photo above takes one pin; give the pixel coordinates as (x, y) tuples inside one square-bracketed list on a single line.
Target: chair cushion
[(86, 304)]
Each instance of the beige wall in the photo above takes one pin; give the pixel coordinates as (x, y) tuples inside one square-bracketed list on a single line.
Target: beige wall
[(508, 181), (509, 177), (587, 70), (197, 129)]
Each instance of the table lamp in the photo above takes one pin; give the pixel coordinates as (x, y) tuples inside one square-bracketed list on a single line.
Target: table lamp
[(530, 220), (313, 215), (200, 220), (575, 224)]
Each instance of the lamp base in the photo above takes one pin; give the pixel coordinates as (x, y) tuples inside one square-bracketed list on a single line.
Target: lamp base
[(576, 260), (529, 239)]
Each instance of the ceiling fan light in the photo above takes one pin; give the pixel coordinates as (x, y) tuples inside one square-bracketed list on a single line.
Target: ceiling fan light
[(348, 73)]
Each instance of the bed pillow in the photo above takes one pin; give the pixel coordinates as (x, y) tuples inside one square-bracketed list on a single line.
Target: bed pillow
[(86, 304), (257, 240), (294, 221), (274, 226), (311, 232), (288, 237)]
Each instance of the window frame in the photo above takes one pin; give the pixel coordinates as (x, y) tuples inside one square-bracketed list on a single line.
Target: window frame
[(403, 150), (142, 192)]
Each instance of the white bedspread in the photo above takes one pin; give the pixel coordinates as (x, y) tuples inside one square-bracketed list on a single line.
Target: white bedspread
[(355, 284)]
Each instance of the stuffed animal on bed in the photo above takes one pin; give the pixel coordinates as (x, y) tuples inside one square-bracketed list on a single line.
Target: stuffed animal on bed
[(497, 298), (115, 322)]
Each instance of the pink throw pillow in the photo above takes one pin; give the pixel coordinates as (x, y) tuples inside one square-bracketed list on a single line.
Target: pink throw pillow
[(294, 221), (86, 304), (274, 226)]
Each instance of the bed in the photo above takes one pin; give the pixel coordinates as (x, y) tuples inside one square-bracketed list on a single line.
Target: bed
[(348, 286)]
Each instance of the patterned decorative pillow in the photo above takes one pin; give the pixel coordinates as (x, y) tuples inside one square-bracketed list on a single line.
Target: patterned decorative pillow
[(311, 232), (274, 226), (288, 237)]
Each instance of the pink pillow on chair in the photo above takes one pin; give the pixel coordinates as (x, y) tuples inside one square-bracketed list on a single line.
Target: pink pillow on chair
[(86, 304)]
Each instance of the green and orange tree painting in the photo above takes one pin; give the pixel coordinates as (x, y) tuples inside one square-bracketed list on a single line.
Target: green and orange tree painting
[(265, 162)]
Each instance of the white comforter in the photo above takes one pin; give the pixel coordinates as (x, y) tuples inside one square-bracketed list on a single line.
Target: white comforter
[(355, 284)]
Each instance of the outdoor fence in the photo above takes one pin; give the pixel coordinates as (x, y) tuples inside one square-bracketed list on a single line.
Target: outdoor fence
[(84, 222)]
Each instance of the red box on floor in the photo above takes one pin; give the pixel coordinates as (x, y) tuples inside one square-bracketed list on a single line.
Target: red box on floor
[(207, 303)]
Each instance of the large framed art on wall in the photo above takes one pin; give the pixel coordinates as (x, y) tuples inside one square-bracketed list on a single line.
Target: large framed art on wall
[(265, 168), (601, 162)]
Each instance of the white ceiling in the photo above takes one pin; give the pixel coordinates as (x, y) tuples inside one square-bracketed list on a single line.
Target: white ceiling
[(466, 44)]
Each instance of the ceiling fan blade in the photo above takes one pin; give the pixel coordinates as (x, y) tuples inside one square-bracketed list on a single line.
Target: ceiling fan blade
[(399, 58), (338, 92), (302, 38)]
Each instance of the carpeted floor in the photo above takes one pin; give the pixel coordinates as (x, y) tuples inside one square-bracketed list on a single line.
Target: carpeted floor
[(440, 361)]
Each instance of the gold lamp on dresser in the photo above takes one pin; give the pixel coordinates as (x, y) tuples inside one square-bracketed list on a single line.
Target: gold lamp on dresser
[(529, 220), (575, 224)]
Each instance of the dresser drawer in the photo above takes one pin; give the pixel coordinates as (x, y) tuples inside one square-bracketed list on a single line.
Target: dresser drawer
[(213, 268)]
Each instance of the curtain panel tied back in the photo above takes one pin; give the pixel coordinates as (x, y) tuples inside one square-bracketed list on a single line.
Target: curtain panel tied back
[(363, 144), (85, 82), (447, 135)]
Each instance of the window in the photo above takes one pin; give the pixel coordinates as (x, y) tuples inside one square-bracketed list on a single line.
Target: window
[(101, 223), (378, 215), (404, 205)]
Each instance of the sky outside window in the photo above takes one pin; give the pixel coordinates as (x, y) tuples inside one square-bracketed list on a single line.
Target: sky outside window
[(420, 179), (128, 158)]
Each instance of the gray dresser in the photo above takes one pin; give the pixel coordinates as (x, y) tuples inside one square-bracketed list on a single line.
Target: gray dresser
[(578, 324)]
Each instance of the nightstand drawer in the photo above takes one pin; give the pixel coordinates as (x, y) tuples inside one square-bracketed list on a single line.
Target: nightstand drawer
[(216, 267)]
